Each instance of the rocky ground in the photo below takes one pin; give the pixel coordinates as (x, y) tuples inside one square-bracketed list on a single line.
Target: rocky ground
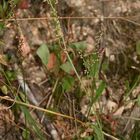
[(115, 24)]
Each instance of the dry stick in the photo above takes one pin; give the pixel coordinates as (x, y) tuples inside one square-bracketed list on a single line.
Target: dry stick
[(69, 17), (127, 19), (110, 136), (51, 112), (128, 124), (33, 100), (125, 117), (41, 109), (31, 96)]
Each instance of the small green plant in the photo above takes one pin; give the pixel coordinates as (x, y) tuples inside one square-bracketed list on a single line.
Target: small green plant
[(67, 69), (69, 64), (138, 47), (6, 11), (135, 135), (7, 8), (31, 125)]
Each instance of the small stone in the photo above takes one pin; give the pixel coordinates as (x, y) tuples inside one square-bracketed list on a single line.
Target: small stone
[(111, 106), (112, 58)]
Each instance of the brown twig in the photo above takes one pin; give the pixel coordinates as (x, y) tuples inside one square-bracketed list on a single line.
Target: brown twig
[(128, 19), (40, 109)]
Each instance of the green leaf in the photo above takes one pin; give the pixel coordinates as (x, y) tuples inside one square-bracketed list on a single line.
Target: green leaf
[(32, 123), (67, 67), (79, 45), (133, 85), (1, 11), (16, 1), (135, 135), (67, 83), (43, 53), (99, 90), (88, 138), (1, 42), (138, 47), (5, 5), (11, 75), (1, 29), (4, 90), (26, 134), (105, 65), (98, 133)]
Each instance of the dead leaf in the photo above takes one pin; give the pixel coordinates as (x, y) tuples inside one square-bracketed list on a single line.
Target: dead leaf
[(24, 4), (3, 60), (63, 57), (111, 106), (119, 111), (24, 46), (6, 119), (52, 61)]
